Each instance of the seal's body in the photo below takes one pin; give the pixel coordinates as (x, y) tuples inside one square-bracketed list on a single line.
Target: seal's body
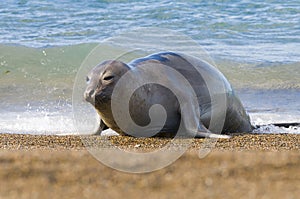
[(219, 107)]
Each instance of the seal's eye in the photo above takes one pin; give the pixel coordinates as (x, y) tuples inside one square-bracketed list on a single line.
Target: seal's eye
[(107, 78), (87, 79)]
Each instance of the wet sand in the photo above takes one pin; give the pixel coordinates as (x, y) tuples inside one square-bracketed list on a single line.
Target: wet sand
[(245, 166)]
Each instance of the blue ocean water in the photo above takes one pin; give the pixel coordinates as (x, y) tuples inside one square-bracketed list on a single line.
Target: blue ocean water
[(251, 30), (256, 44)]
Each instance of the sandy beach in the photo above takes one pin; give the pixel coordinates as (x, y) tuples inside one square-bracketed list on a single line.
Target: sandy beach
[(246, 166)]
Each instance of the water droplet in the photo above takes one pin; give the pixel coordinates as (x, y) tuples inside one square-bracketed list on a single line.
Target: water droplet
[(3, 63), (43, 62)]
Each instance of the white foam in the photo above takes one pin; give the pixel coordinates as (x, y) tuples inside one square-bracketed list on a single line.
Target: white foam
[(48, 123), (266, 121), (271, 129), (36, 123), (263, 118)]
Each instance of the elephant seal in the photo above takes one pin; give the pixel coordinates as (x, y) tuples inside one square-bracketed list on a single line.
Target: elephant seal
[(103, 78)]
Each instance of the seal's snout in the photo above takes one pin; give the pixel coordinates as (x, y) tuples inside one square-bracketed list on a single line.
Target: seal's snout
[(89, 95)]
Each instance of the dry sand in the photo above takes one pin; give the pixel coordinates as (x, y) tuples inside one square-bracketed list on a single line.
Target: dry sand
[(245, 166)]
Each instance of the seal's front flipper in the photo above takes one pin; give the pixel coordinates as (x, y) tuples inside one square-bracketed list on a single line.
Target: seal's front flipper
[(203, 132), (101, 128), (192, 124)]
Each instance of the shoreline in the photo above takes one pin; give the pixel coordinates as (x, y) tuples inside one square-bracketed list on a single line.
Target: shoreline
[(245, 166), (242, 142)]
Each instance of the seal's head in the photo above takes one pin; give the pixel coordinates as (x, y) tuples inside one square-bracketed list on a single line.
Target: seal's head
[(101, 81)]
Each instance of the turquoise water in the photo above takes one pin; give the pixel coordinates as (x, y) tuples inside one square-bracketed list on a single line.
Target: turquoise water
[(256, 44)]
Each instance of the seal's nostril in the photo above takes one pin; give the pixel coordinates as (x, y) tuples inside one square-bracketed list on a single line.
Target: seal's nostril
[(91, 92), (88, 94)]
